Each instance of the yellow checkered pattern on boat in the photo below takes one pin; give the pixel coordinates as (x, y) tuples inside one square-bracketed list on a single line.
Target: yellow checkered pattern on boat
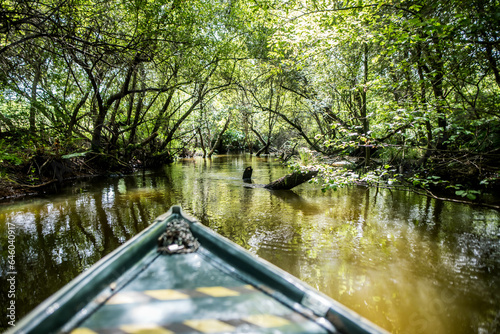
[(129, 297), (264, 321), (200, 325)]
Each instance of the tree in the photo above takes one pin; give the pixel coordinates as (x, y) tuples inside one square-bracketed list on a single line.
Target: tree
[(132, 81), (146, 63)]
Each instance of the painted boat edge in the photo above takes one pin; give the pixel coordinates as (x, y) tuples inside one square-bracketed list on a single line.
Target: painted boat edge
[(50, 315), (344, 319)]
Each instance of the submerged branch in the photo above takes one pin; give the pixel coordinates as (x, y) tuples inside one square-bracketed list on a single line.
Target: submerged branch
[(428, 193)]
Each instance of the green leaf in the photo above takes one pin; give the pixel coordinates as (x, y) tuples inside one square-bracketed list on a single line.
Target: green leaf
[(471, 196)]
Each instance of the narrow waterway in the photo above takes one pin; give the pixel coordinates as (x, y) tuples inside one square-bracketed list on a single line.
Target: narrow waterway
[(406, 262)]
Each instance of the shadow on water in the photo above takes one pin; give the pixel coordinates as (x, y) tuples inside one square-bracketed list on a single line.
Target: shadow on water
[(293, 199), (409, 263)]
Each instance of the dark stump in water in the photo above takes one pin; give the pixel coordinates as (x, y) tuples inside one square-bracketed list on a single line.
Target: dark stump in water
[(247, 174)]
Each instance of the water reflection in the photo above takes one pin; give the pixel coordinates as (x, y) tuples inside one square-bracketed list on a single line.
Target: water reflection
[(408, 263)]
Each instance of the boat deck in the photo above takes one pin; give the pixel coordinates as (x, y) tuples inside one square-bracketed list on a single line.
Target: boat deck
[(220, 288), (188, 293)]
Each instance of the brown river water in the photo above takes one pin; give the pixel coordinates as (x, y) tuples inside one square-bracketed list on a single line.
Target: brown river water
[(406, 262)]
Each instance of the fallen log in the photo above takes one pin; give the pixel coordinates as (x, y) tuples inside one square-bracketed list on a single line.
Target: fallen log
[(292, 180), (283, 183)]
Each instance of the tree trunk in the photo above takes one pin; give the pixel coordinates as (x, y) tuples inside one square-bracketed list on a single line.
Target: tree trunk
[(261, 140), (177, 124), (34, 87), (101, 115), (202, 143), (74, 115), (219, 137), (7, 122), (423, 102), (131, 98), (366, 124), (291, 180), (160, 119), (264, 149), (138, 113), (103, 106), (436, 73), (115, 127)]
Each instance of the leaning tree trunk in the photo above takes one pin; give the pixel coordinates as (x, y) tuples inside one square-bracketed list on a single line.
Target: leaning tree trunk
[(219, 137), (264, 149), (33, 107), (291, 180)]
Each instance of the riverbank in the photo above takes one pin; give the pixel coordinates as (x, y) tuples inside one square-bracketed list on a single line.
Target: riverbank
[(9, 190), (45, 174)]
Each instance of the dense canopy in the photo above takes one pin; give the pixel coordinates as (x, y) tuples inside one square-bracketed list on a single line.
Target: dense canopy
[(392, 86)]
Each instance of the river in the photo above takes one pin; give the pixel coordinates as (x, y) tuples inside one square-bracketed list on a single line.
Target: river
[(409, 263)]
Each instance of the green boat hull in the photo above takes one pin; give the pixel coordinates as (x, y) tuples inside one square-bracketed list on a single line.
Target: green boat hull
[(219, 288)]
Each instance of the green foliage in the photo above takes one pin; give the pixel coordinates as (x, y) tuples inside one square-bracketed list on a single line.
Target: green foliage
[(470, 194), (305, 157), (427, 182), (11, 153), (334, 178), (404, 81), (233, 137), (33, 175), (462, 191), (10, 158)]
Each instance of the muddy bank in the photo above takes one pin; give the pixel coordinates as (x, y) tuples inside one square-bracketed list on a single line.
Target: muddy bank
[(46, 173), (10, 189)]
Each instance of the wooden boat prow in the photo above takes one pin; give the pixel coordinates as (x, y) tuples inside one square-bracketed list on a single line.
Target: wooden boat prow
[(219, 288)]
